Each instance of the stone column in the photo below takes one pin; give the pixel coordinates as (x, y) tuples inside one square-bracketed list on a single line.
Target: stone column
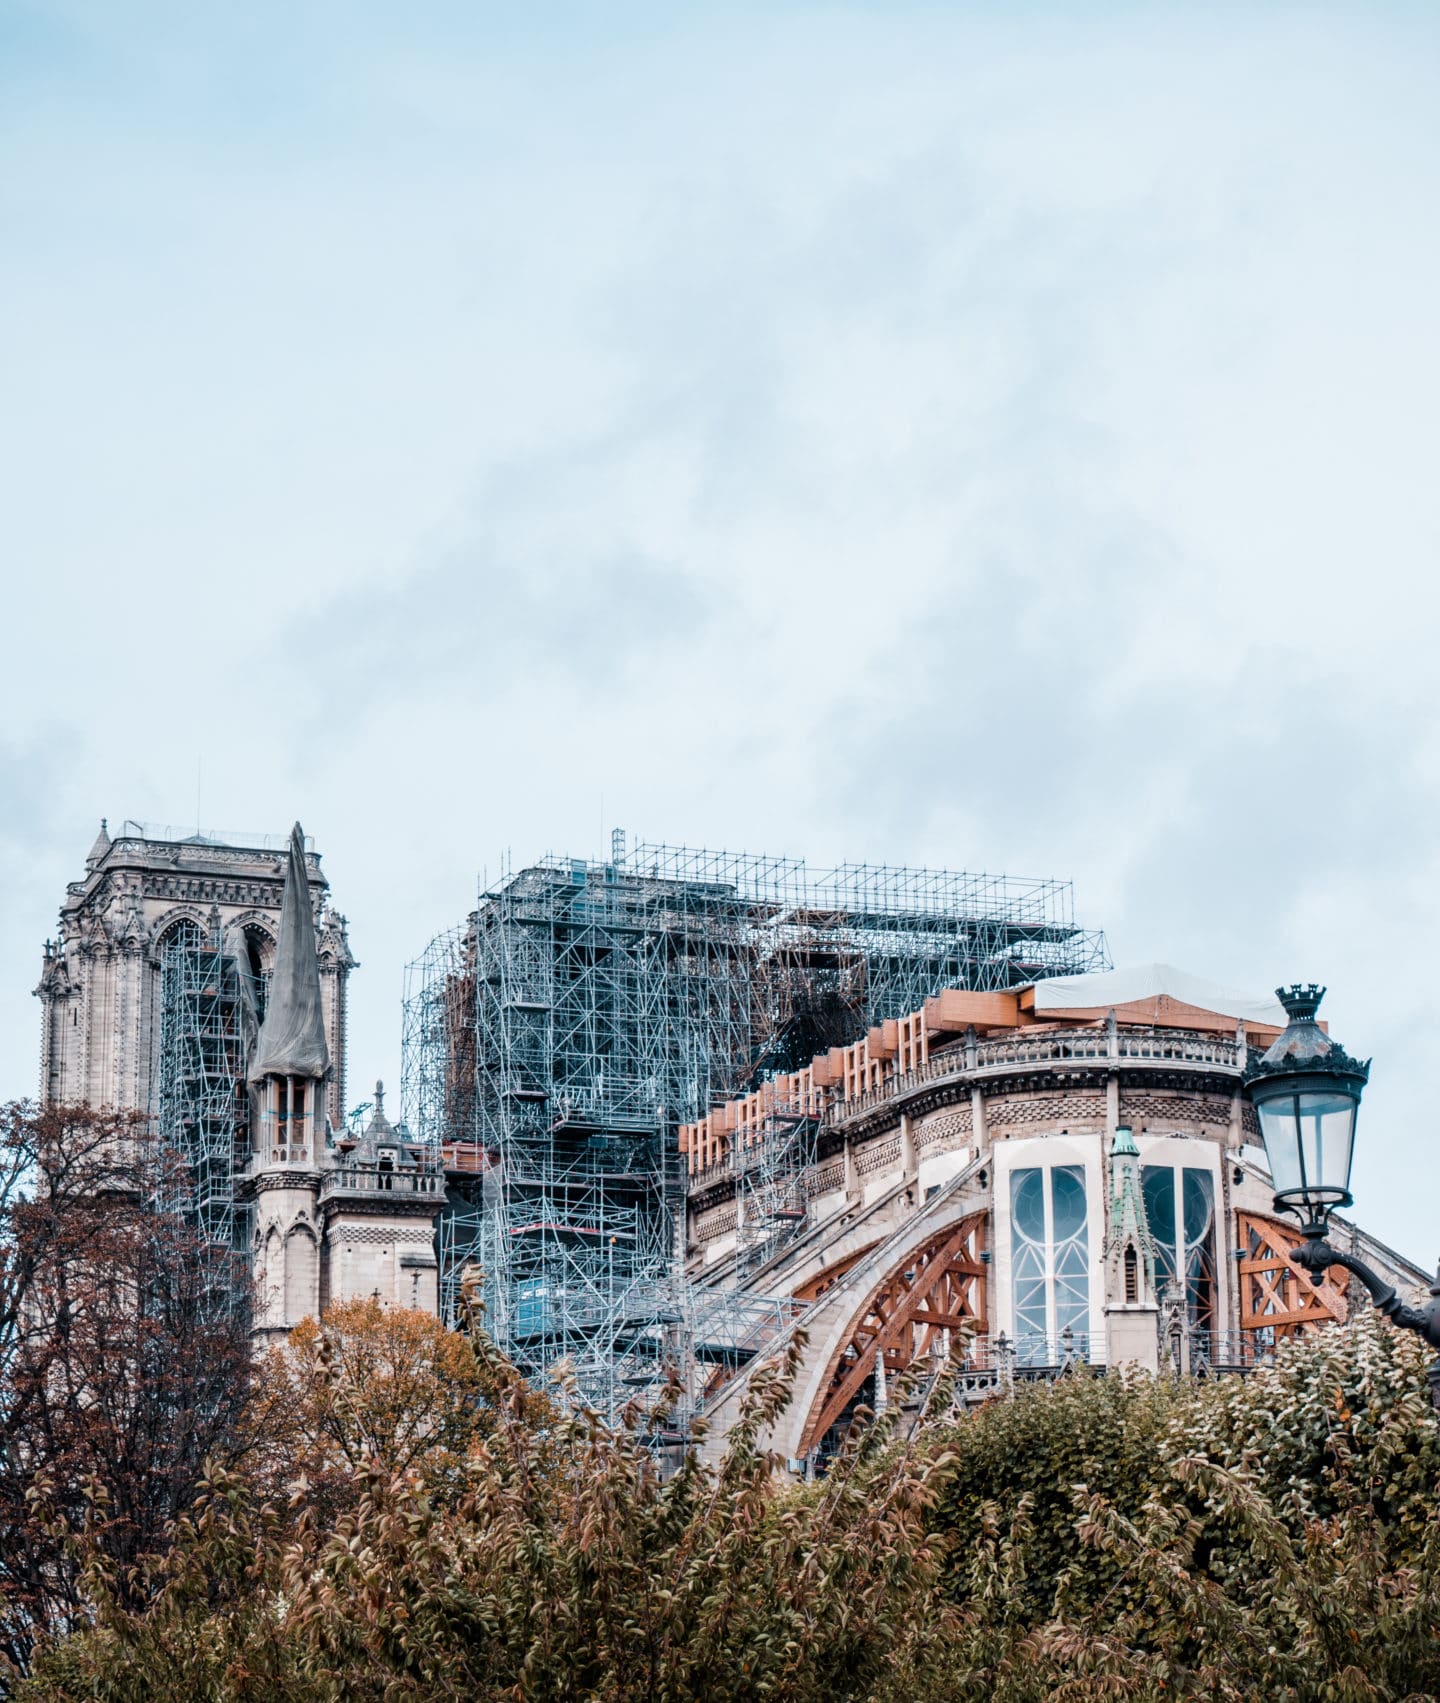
[(909, 1158), (977, 1119)]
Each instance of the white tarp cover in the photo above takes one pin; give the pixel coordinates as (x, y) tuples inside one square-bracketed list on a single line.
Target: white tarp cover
[(1151, 981), (292, 1037)]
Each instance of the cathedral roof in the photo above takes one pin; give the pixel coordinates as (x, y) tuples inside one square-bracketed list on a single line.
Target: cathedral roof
[(101, 846), (292, 1037)]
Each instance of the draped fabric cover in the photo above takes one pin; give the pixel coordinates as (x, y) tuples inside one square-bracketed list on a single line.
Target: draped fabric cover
[(292, 1037)]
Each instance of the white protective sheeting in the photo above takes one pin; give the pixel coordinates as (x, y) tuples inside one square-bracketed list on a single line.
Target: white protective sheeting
[(1148, 982)]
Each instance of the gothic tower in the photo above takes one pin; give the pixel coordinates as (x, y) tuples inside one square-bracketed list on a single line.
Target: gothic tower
[(152, 902), (203, 984), (287, 1076)]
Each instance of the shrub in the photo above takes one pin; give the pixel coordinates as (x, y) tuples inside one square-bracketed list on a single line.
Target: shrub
[(1276, 1538)]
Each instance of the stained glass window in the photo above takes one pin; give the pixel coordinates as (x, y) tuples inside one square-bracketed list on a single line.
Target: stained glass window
[(1050, 1263), (1180, 1209)]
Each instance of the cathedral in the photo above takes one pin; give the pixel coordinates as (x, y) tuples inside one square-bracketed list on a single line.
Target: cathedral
[(1012, 1151), (202, 985)]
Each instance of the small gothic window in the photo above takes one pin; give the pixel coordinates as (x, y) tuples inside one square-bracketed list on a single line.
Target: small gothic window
[(1132, 1273)]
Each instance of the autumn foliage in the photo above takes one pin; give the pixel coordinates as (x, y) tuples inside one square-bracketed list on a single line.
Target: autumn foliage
[(376, 1384), (395, 1513), (120, 1375), (1100, 1539)]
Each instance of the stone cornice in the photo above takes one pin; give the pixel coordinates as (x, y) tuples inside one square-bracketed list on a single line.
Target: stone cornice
[(924, 1097), (365, 1209), (277, 1177)]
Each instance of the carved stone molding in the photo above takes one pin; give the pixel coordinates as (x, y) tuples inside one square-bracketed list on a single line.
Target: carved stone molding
[(379, 1235)]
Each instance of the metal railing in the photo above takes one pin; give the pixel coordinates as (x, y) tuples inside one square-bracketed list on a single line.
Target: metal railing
[(1020, 1052), (217, 839), (1221, 1351)]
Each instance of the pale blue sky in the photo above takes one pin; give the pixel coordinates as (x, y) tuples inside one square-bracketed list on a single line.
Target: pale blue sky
[(991, 436)]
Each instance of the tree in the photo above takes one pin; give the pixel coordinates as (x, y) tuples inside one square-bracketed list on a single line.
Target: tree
[(124, 1357), (1103, 1538), (370, 1385), (569, 1567)]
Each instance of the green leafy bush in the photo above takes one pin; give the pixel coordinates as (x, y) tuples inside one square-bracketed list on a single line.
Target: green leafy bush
[(1276, 1538)]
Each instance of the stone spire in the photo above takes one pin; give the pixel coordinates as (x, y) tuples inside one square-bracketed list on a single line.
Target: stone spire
[(292, 1037), (378, 1133), (101, 846), (1132, 1313), (1129, 1227)]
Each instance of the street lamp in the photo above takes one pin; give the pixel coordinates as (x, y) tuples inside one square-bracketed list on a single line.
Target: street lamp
[(1306, 1090)]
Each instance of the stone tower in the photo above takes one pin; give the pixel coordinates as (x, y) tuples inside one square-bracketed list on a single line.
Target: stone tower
[(146, 892), (289, 1069), (334, 1219), (203, 984)]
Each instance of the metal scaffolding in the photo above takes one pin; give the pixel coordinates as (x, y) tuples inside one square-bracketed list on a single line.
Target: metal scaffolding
[(770, 1186), (201, 1101), (555, 1041)]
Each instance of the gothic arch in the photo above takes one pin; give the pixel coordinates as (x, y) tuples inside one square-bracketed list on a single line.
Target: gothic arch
[(164, 927), (272, 1277), (262, 921), (302, 1272), (939, 1286)]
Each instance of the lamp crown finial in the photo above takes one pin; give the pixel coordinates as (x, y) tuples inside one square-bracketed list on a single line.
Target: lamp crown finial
[(1301, 1000)]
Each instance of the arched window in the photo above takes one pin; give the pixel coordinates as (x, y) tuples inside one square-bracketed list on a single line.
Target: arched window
[(1051, 1255), (1132, 1273), (1180, 1209), (183, 935)]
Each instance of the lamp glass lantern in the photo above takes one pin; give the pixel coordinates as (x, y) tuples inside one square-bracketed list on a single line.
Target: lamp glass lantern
[(1306, 1091)]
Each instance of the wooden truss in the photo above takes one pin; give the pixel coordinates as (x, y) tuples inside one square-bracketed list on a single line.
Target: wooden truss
[(939, 1287), (1276, 1295)]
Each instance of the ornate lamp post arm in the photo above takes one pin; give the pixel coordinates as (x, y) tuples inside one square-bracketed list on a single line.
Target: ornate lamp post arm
[(1316, 1255)]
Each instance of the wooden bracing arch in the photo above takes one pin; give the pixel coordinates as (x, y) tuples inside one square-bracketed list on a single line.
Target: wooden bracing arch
[(814, 1287), (939, 1287), (1276, 1295)]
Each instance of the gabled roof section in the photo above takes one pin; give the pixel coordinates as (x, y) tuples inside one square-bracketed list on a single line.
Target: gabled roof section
[(292, 1037), (379, 1132)]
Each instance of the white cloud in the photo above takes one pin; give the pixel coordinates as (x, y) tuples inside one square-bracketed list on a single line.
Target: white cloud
[(997, 437)]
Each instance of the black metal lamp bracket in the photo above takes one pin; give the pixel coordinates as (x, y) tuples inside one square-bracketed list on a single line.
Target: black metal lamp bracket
[(1316, 1255)]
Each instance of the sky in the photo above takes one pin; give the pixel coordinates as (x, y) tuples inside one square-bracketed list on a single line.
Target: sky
[(997, 437)]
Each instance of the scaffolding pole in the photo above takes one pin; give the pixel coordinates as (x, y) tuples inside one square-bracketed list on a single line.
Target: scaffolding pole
[(201, 1102), (556, 1040)]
